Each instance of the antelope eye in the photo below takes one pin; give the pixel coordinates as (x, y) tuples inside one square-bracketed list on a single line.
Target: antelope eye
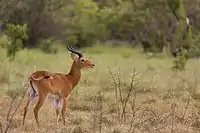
[(82, 60)]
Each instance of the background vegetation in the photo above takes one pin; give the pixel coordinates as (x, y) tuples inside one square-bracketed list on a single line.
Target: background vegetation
[(127, 92), (153, 25)]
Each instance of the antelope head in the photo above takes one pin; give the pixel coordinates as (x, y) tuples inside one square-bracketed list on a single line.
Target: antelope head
[(79, 60)]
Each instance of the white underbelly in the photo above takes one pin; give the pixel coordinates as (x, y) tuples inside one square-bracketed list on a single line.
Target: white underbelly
[(53, 96)]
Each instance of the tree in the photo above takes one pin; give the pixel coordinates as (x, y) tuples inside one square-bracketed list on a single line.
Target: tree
[(16, 33)]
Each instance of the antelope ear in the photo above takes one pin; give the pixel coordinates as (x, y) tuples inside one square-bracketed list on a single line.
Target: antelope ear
[(74, 56)]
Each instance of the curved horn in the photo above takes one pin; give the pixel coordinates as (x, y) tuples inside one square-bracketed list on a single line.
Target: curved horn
[(74, 51)]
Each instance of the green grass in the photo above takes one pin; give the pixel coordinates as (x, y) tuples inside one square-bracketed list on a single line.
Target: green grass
[(157, 89)]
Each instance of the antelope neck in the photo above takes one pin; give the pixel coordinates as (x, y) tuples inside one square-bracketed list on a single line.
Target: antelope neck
[(74, 74)]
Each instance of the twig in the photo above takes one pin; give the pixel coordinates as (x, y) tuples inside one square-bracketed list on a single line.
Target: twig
[(186, 107), (133, 119), (120, 100), (98, 113), (116, 91), (132, 84), (9, 115), (134, 110), (94, 117), (100, 102), (128, 95), (1, 127), (172, 120), (119, 87), (113, 116), (156, 119), (136, 125)]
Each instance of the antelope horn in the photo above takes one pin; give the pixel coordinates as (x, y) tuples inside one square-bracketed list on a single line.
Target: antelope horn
[(74, 51)]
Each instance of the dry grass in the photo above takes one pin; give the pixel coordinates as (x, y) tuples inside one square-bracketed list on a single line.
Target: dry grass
[(125, 93)]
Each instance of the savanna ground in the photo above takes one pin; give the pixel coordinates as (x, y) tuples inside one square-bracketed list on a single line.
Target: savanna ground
[(126, 92)]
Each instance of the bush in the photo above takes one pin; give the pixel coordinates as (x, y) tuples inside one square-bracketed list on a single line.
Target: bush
[(195, 47), (16, 34), (180, 61), (49, 46), (86, 26), (4, 41)]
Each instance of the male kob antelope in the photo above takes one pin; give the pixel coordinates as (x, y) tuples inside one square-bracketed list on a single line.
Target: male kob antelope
[(58, 85)]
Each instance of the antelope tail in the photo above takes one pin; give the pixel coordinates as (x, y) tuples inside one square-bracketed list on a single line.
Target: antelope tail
[(40, 78)]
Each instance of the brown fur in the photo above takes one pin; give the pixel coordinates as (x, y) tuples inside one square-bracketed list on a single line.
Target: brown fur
[(60, 84)]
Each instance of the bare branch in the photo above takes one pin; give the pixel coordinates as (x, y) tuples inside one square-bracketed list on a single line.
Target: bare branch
[(11, 115), (98, 113), (172, 119), (186, 107), (1, 127), (116, 90), (128, 95)]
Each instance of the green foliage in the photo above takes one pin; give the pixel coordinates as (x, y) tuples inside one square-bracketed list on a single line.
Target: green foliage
[(195, 47), (181, 37), (180, 61), (4, 41), (16, 34), (84, 24), (173, 4), (49, 46)]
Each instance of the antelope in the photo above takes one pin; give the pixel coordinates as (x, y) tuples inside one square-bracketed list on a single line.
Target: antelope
[(57, 85)]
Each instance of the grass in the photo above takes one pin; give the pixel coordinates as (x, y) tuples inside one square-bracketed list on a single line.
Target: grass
[(158, 100)]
